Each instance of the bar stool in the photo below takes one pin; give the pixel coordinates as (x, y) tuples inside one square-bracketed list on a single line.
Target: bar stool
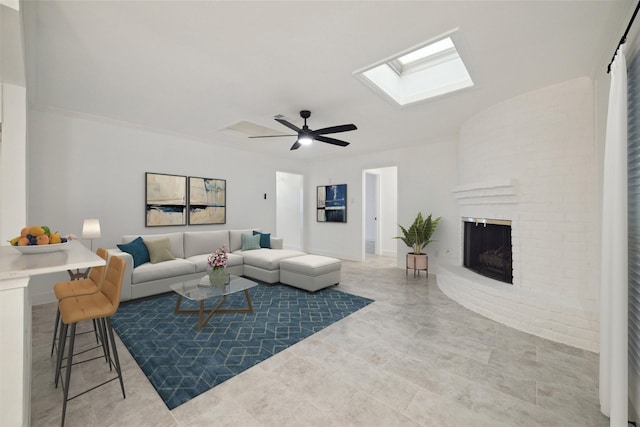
[(98, 306), (72, 288)]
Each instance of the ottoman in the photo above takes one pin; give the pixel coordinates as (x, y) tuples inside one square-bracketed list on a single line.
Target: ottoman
[(310, 272)]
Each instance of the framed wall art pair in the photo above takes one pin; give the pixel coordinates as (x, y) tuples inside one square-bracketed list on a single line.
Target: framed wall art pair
[(178, 200)]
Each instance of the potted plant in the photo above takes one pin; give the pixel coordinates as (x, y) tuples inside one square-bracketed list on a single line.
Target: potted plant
[(417, 236)]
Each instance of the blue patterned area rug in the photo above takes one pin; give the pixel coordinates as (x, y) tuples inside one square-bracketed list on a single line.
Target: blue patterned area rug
[(182, 363)]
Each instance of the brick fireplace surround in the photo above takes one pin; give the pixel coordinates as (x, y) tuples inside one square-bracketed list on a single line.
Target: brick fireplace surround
[(532, 160)]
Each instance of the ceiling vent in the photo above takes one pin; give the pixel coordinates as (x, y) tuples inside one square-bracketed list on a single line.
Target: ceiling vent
[(245, 128)]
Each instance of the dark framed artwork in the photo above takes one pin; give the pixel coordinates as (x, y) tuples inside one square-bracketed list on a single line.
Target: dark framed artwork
[(165, 199), (207, 201), (331, 203)]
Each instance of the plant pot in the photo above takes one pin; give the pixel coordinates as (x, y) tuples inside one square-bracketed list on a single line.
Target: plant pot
[(417, 263)]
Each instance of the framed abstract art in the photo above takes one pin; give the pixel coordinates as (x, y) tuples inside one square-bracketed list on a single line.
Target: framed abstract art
[(331, 205), (165, 199), (207, 201)]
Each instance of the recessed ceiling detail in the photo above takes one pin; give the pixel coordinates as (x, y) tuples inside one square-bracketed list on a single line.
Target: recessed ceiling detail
[(426, 71), (245, 128)]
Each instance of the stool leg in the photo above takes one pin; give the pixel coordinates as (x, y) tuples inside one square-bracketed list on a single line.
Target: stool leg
[(95, 330), (115, 355), (62, 340), (55, 331), (105, 341), (67, 382)]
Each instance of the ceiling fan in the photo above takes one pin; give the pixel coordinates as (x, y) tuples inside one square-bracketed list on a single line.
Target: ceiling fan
[(307, 136)]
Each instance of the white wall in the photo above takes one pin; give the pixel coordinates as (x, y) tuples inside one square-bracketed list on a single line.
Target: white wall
[(81, 168), (13, 160), (13, 163), (426, 175)]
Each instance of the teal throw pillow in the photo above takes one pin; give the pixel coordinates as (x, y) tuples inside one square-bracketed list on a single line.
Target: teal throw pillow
[(137, 249), (265, 239), (250, 242)]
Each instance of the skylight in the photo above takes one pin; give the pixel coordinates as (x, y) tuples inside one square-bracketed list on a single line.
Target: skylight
[(422, 73)]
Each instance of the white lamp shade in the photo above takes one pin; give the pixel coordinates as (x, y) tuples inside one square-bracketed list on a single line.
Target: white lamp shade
[(91, 229)]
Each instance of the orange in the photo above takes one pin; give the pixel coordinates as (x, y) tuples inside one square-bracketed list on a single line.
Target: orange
[(42, 239)]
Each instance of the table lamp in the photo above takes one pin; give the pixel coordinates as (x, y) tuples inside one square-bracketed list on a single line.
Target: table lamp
[(91, 230)]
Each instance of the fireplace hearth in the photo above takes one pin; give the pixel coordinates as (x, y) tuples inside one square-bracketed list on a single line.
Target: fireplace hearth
[(487, 248)]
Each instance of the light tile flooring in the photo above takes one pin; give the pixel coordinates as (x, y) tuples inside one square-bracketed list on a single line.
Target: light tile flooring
[(412, 358)]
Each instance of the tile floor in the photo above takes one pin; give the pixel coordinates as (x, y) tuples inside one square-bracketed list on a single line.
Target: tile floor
[(412, 358)]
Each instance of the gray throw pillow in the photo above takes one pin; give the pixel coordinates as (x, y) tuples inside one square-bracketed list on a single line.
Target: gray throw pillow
[(159, 250)]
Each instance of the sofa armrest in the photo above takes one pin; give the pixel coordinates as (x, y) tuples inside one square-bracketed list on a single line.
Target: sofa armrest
[(276, 243), (128, 272)]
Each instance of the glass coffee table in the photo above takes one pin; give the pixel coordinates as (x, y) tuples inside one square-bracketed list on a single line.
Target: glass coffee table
[(201, 290)]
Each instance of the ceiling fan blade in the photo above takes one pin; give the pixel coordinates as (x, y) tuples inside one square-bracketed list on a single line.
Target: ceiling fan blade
[(287, 124), (335, 129), (331, 141), (295, 146), (270, 136)]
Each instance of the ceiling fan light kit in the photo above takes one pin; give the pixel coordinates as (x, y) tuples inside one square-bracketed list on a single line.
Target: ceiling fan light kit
[(306, 136)]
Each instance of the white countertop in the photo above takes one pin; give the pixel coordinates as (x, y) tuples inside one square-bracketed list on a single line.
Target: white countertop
[(14, 264)]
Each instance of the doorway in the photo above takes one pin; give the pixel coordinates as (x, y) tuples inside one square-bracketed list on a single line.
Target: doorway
[(289, 209), (372, 231), (380, 211)]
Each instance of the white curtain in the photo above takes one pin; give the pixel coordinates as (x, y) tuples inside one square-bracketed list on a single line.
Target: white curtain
[(614, 282)]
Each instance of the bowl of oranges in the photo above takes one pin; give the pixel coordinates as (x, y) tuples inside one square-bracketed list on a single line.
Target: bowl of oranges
[(37, 239)]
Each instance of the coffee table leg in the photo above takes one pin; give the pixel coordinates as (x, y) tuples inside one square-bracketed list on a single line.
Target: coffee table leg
[(248, 297), (177, 309), (211, 312), (214, 310), (200, 322)]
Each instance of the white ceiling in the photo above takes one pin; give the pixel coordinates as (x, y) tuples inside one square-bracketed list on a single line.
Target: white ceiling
[(193, 68)]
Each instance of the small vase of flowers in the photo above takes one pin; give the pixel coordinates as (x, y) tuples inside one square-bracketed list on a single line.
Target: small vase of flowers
[(217, 260)]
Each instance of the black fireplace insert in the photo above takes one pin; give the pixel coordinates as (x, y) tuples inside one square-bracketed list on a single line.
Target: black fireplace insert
[(487, 249)]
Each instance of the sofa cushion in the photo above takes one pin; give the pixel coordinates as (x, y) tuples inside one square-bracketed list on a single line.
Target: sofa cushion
[(148, 272), (268, 259), (250, 242), (265, 239), (311, 265), (235, 238), (159, 250), (176, 239), (204, 242), (137, 249)]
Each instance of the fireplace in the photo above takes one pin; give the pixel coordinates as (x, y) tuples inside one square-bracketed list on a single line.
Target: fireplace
[(487, 248)]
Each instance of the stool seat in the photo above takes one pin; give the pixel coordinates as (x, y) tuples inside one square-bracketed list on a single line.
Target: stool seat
[(91, 284), (85, 307)]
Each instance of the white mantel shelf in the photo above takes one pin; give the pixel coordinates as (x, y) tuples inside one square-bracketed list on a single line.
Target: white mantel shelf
[(15, 321), (488, 192)]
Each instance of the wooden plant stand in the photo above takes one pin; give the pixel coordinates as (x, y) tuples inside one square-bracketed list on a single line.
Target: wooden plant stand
[(417, 263)]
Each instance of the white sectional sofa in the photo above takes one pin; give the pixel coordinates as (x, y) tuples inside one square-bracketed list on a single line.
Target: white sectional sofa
[(191, 249)]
